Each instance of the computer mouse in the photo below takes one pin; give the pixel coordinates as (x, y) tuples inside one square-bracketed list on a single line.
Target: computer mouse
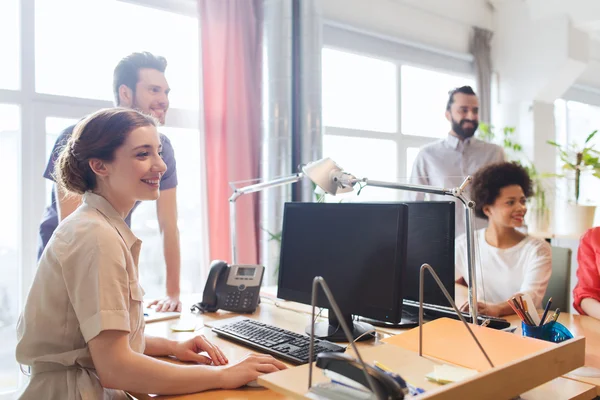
[(253, 384)]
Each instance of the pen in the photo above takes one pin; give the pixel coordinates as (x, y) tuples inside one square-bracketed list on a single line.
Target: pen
[(556, 314), (524, 304), (383, 367), (548, 304)]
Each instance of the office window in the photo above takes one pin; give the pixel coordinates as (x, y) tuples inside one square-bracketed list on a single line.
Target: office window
[(78, 44), (10, 44), (379, 102), (359, 92), (424, 96), (574, 123), (371, 158), (54, 127), (10, 212), (186, 143)]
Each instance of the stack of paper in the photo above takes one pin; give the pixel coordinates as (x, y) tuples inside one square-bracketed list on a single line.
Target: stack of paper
[(449, 373)]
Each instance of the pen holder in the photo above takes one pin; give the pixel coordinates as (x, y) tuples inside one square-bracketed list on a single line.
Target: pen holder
[(552, 332)]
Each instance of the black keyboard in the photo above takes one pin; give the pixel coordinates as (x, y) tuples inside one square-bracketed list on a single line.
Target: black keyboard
[(287, 345), (433, 311)]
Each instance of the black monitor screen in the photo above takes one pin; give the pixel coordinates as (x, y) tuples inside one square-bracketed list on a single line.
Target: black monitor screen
[(359, 249), (431, 227)]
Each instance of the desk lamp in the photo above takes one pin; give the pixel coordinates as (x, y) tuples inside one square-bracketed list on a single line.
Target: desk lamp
[(321, 173), (326, 174), (332, 179)]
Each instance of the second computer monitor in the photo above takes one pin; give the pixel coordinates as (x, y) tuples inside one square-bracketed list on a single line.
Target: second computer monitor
[(430, 239)]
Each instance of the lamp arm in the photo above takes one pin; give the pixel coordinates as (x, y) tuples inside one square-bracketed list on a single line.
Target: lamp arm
[(252, 189), (469, 206), (472, 271), (265, 185)]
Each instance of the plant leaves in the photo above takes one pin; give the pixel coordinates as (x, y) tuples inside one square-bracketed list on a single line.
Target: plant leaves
[(591, 136)]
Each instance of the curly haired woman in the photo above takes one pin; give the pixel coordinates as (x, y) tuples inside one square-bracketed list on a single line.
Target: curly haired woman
[(510, 262)]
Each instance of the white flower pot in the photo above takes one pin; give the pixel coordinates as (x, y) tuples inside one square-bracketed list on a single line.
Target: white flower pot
[(575, 219)]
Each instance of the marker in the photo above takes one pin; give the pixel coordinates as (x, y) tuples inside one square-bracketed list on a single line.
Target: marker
[(548, 304), (556, 314)]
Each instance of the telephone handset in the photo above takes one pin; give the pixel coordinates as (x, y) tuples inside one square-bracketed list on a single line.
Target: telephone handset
[(232, 288)]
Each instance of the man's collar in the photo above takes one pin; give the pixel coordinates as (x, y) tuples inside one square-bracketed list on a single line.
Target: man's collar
[(101, 204), (453, 141)]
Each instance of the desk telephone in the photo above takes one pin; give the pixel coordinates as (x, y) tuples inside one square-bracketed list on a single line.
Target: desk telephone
[(232, 288)]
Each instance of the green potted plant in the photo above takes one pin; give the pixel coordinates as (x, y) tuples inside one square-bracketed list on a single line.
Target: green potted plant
[(538, 217), (576, 162)]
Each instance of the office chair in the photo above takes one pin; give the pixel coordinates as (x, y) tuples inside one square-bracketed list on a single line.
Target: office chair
[(560, 281)]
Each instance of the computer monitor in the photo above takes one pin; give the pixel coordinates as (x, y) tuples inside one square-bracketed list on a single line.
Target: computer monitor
[(360, 251), (431, 227)]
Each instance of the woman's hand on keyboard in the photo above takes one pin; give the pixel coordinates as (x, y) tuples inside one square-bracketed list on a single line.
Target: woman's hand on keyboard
[(248, 369), (188, 351)]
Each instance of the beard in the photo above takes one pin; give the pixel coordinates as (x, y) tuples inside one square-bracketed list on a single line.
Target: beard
[(460, 130), (135, 105)]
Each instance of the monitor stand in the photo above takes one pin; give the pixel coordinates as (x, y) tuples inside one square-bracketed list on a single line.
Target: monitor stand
[(332, 330), (409, 320)]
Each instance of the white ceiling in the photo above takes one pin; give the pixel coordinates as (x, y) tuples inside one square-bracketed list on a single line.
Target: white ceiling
[(585, 14)]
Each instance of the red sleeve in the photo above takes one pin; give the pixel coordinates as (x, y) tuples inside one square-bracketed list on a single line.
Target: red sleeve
[(588, 276)]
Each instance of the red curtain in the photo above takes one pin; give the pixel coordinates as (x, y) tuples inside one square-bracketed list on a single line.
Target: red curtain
[(231, 70)]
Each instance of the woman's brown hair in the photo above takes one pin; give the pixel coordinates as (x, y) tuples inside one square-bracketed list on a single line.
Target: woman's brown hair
[(98, 136)]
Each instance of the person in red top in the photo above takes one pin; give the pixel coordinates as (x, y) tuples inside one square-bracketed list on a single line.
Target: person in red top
[(586, 295)]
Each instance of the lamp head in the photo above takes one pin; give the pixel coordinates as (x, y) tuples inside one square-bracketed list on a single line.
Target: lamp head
[(326, 174)]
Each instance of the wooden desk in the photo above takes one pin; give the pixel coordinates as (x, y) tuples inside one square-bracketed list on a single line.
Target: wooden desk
[(579, 325), (295, 317)]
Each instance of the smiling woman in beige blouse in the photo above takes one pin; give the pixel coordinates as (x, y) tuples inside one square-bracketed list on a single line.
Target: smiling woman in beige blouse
[(82, 329)]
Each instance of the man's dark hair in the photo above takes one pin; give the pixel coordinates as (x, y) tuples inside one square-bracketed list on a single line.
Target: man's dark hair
[(489, 180), (127, 70), (463, 90)]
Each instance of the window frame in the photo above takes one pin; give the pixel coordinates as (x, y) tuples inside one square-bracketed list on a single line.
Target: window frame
[(341, 37), (35, 108)]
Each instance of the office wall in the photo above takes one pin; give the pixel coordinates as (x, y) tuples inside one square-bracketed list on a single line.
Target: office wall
[(444, 25), (591, 75)]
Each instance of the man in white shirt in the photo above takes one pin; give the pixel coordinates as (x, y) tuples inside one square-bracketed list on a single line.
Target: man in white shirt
[(446, 162)]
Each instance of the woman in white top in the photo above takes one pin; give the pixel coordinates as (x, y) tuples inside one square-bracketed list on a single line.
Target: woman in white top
[(82, 329), (508, 261)]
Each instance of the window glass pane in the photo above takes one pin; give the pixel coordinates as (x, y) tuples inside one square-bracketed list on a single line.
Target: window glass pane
[(76, 50), (54, 126), (186, 143), (359, 92), (371, 158), (10, 72), (424, 97), (10, 246), (583, 119)]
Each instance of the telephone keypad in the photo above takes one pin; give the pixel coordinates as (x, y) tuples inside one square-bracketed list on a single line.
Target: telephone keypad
[(239, 300)]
